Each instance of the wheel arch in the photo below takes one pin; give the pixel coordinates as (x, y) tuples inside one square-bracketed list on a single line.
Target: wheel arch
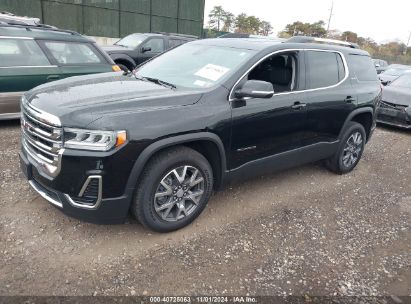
[(123, 58), (208, 144), (363, 116)]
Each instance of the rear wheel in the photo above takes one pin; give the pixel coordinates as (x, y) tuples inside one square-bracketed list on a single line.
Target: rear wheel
[(174, 189), (350, 150)]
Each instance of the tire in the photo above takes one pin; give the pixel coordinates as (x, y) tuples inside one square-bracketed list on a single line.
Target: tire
[(123, 67), (341, 162), (184, 204)]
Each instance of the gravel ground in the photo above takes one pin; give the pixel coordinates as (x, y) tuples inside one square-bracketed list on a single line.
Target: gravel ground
[(303, 231)]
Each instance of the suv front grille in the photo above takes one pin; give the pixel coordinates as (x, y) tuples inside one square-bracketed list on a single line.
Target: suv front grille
[(42, 140)]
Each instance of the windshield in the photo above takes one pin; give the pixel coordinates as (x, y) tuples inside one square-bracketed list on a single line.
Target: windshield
[(195, 66), (395, 72), (404, 81), (131, 41)]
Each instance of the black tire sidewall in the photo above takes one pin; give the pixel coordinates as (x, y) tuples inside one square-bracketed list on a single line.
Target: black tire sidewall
[(122, 66), (354, 127), (153, 179)]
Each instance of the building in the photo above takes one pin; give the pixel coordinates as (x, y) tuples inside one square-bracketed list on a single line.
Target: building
[(114, 18)]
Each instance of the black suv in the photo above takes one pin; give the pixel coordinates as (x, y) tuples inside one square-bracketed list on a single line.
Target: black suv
[(134, 49), (158, 141)]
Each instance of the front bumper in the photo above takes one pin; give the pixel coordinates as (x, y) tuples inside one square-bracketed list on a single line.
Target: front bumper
[(104, 211), (392, 116)]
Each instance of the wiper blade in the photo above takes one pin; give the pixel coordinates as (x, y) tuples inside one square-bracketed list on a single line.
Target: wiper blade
[(157, 81)]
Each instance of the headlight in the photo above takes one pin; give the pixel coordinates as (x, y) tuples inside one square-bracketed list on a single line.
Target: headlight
[(93, 140)]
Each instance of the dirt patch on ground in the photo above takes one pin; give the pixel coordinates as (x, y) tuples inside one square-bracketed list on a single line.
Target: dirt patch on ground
[(302, 231)]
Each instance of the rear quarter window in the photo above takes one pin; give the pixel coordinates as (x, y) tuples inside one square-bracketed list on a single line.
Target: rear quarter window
[(174, 42), (363, 67), (325, 69)]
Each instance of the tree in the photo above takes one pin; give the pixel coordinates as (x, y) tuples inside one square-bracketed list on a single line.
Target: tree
[(216, 16), (316, 29), (266, 28), (229, 22), (349, 36), (253, 25), (221, 19), (393, 51), (247, 24), (241, 23)]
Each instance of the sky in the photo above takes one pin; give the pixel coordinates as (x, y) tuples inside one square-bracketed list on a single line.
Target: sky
[(382, 20)]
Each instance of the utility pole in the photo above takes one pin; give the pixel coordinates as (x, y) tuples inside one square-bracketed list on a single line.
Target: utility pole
[(329, 19), (408, 43)]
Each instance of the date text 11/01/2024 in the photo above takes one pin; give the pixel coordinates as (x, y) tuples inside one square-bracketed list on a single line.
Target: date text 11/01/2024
[(203, 299)]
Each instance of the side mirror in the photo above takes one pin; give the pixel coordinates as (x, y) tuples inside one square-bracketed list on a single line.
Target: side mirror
[(377, 65), (255, 89), (146, 49)]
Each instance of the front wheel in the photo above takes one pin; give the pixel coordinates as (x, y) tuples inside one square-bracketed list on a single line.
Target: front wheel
[(124, 68), (350, 150), (174, 189)]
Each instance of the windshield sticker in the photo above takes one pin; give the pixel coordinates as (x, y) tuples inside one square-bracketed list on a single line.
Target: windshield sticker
[(212, 72), (201, 83)]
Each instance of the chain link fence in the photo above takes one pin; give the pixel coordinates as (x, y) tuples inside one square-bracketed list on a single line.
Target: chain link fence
[(114, 18)]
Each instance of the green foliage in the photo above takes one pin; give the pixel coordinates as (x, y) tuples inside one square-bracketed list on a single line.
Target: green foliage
[(221, 20), (299, 28), (224, 21), (393, 52), (266, 28)]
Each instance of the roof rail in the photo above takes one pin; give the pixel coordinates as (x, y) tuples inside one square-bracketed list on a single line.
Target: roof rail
[(306, 39), (11, 18), (37, 26), (175, 34)]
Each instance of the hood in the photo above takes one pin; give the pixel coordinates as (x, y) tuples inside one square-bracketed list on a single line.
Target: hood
[(387, 78), (115, 49), (78, 101), (397, 95)]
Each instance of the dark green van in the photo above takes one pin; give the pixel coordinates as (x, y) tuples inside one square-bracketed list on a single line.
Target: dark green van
[(33, 55)]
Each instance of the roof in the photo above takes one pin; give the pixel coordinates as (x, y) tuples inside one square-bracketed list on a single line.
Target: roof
[(40, 32), (263, 44), (239, 43)]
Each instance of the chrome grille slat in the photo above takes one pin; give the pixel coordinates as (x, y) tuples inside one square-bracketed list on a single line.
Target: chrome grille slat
[(42, 141), (40, 131), (40, 146), (34, 133), (37, 155)]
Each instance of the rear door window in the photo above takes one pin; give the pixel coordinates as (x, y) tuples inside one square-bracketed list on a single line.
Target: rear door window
[(325, 69), (21, 52), (363, 68), (69, 53)]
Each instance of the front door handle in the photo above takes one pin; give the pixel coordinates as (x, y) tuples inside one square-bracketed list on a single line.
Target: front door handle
[(349, 99), (298, 105), (53, 77)]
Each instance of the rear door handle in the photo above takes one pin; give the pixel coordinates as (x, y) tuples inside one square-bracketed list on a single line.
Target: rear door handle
[(350, 99), (53, 77), (298, 105)]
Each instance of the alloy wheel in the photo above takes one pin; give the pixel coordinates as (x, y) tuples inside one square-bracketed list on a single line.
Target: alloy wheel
[(352, 149), (179, 193)]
